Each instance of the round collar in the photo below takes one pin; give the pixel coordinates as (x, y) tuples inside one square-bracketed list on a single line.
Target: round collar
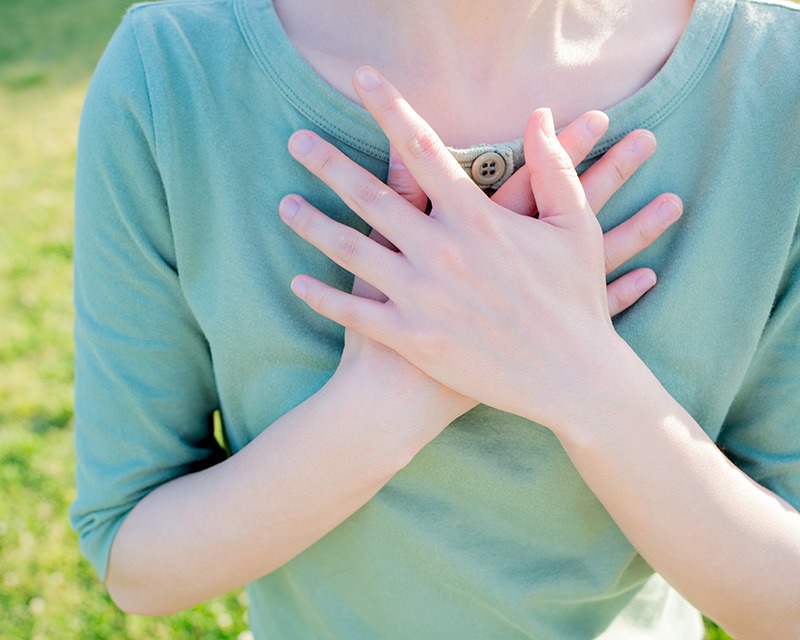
[(351, 123)]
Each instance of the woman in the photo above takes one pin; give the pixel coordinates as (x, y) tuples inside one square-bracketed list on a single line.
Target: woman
[(486, 455)]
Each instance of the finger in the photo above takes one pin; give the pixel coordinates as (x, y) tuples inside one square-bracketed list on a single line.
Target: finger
[(559, 196), (403, 183), (370, 318), (627, 239), (425, 155), (578, 138), (604, 178), (627, 289), (344, 245), (368, 197), (581, 135)]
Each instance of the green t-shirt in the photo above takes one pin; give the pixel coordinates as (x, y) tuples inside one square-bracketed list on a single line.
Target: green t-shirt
[(183, 306)]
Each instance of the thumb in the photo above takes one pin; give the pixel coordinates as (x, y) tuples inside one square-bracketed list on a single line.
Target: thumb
[(557, 189), (401, 181)]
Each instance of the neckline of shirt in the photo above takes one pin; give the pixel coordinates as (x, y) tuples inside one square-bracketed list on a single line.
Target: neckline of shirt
[(338, 116)]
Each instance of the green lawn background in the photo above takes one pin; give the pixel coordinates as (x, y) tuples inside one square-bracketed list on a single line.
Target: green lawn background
[(48, 50)]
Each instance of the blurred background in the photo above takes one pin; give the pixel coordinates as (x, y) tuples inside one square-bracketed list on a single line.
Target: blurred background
[(48, 50)]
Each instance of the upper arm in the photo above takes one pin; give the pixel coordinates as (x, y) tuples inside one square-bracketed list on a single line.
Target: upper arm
[(144, 384)]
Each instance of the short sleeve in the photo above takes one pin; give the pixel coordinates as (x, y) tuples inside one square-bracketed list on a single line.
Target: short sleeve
[(761, 433), (144, 385)]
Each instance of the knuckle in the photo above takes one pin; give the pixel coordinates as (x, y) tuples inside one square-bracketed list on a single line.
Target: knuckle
[(304, 222), (644, 236), (451, 257), (422, 144), (429, 344), (326, 162), (563, 165), (485, 223), (350, 316), (346, 247), (366, 194), (489, 225), (615, 171)]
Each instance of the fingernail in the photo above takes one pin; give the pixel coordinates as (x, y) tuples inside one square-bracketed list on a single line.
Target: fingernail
[(289, 207), (645, 282), (595, 124), (368, 79), (643, 144), (546, 123), (300, 143), (299, 287), (668, 211)]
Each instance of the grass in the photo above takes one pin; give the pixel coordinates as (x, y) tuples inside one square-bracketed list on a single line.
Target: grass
[(47, 590)]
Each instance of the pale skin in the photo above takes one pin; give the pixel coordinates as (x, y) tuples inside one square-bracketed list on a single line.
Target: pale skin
[(632, 443), (557, 360), (445, 58), (328, 456)]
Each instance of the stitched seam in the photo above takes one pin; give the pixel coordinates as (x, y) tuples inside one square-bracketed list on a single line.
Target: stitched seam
[(147, 84), (296, 100), (679, 96), (682, 93)]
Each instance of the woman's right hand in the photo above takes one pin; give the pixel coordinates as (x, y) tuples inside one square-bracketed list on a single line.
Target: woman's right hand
[(621, 243)]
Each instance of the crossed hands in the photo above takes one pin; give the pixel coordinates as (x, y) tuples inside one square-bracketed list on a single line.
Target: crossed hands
[(475, 302)]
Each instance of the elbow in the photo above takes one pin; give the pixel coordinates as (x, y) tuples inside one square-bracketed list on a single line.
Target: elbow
[(133, 602), (140, 585), (763, 606), (763, 625), (127, 600), (142, 599), (786, 629), (774, 630)]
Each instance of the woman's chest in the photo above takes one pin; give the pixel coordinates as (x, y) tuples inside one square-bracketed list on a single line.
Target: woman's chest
[(718, 269)]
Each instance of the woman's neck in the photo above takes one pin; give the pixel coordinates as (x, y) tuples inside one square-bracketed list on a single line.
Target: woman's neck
[(571, 55), (438, 36)]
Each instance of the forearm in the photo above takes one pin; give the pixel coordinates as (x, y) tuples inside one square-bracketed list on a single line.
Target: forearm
[(727, 544), (203, 534)]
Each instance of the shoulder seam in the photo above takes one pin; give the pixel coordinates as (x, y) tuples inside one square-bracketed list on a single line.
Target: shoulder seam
[(148, 90)]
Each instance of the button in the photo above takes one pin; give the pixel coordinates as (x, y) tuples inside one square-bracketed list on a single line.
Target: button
[(488, 168)]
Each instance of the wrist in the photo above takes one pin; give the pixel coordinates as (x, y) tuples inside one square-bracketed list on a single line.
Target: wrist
[(608, 384), (414, 409)]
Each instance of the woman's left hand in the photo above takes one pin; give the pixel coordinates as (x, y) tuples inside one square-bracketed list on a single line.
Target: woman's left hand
[(508, 310)]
